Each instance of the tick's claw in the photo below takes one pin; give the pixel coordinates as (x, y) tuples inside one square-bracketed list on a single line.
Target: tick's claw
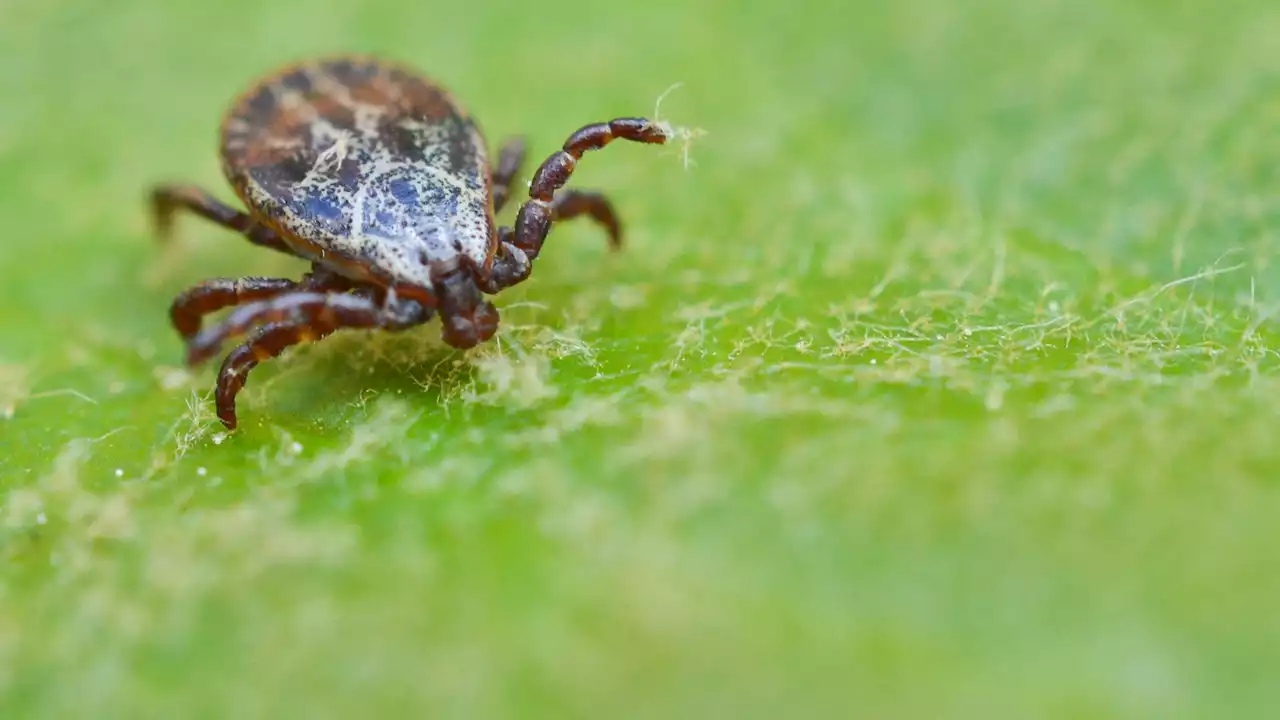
[(162, 223)]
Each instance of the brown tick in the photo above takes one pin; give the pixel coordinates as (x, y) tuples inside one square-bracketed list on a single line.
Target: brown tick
[(378, 178)]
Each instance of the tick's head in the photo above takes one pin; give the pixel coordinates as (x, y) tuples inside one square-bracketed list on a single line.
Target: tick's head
[(468, 330), (467, 318)]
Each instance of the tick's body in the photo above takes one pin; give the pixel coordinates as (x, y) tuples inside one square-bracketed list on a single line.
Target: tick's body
[(383, 182), (366, 168)]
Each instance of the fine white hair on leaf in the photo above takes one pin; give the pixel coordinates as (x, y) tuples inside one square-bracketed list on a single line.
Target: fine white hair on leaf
[(675, 132), (657, 105), (15, 388)]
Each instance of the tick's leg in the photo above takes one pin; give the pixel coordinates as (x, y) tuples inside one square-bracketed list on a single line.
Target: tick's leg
[(297, 318), (536, 215), (190, 307), (264, 343), (166, 200), (316, 313), (511, 265), (307, 311), (571, 203), (510, 159)]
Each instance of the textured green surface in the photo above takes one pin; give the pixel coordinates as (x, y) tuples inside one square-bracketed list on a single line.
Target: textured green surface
[(943, 384)]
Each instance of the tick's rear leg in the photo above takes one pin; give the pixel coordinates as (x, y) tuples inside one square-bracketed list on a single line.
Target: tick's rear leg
[(510, 160), (167, 200)]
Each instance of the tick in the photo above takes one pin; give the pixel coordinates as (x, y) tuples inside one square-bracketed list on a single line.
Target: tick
[(381, 180)]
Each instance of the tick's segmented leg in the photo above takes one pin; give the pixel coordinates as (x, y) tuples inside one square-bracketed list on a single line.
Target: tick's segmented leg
[(510, 160), (263, 343), (536, 215), (572, 203), (313, 311), (310, 312), (166, 200), (510, 265), (291, 320), (190, 307)]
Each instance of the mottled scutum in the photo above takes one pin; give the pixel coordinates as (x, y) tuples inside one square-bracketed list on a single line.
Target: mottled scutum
[(365, 165)]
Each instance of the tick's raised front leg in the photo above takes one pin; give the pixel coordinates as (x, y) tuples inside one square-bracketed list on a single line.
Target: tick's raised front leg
[(536, 215), (510, 159), (512, 266), (166, 200)]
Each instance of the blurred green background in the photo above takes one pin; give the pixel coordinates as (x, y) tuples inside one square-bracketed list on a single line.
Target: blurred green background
[(941, 383)]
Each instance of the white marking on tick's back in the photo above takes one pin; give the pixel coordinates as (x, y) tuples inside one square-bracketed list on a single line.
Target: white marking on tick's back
[(451, 180), (358, 203), (327, 85), (368, 118), (411, 237), (290, 99), (332, 158), (325, 134), (278, 144)]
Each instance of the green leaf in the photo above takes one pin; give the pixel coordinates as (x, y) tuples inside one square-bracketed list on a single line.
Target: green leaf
[(938, 378)]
